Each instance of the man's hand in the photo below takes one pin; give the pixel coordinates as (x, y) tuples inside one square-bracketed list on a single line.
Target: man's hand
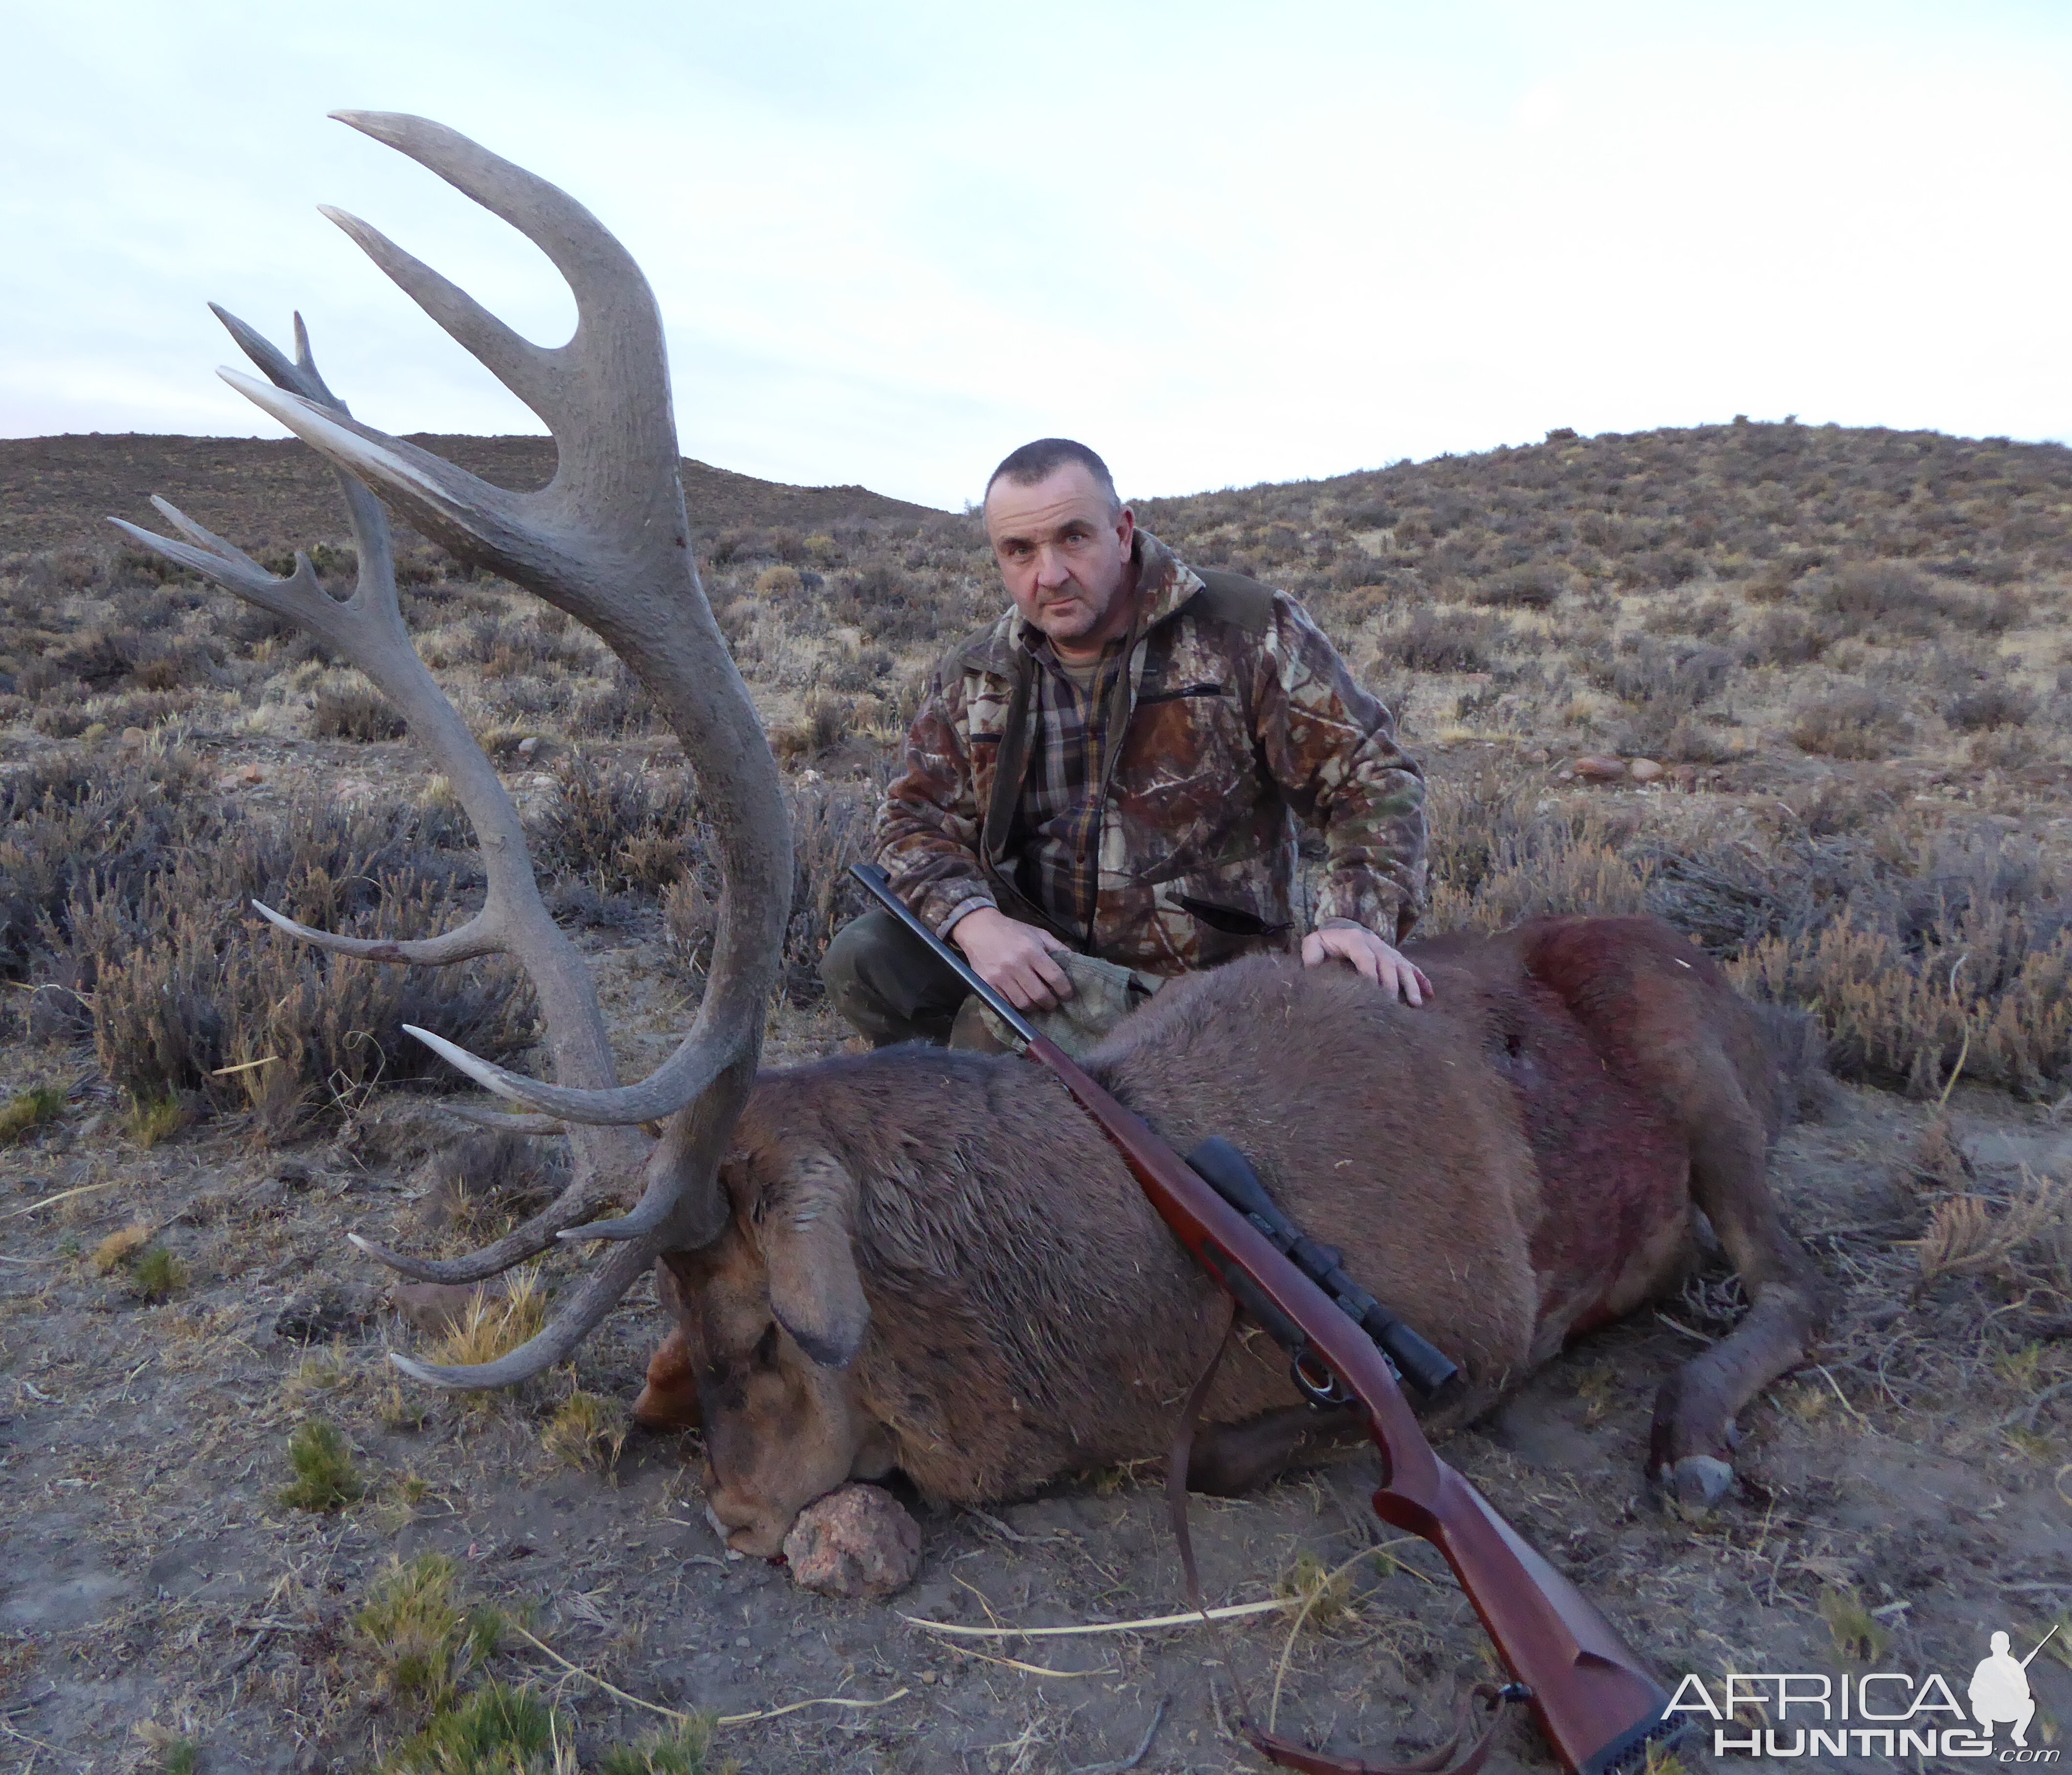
[(1013, 959), (1388, 969)]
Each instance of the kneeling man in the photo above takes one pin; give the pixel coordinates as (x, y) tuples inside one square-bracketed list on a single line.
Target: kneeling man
[(1112, 770)]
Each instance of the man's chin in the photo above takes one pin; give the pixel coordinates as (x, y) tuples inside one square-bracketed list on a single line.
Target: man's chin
[(1067, 625)]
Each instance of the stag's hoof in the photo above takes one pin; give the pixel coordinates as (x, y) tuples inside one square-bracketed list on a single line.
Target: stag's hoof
[(858, 1543), (1697, 1482)]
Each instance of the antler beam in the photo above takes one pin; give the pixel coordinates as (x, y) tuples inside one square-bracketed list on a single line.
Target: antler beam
[(608, 541)]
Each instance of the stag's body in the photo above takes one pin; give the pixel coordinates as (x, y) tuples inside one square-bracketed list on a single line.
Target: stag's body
[(1506, 1168)]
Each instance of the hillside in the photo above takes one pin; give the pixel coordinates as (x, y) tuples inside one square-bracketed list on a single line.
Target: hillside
[(272, 493), (1806, 692)]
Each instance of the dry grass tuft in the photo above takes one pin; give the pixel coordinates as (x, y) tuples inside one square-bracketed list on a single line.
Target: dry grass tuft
[(1966, 1236), (413, 1629), (496, 1731), (587, 1430), (1326, 1596), (493, 1325), (683, 1750), (154, 1119), (119, 1248)]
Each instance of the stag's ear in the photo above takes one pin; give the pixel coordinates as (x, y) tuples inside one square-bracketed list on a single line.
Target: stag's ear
[(814, 1288)]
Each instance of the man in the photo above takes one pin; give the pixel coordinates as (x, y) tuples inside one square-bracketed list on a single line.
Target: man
[(1110, 769)]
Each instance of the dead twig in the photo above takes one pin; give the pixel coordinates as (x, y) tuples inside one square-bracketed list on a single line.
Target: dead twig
[(82, 1189), (684, 1719), (1138, 1756), (1228, 1612)]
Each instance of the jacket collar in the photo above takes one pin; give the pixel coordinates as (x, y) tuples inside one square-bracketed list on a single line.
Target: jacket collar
[(1164, 584)]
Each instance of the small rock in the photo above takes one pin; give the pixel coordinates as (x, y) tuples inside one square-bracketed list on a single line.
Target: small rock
[(331, 1311), (1684, 776), (353, 789), (1538, 755), (528, 747), (1644, 771), (1595, 769), (251, 774), (433, 1308), (543, 782), (132, 737), (857, 1542)]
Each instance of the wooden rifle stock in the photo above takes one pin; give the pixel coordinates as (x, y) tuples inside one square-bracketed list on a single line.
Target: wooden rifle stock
[(1589, 1691)]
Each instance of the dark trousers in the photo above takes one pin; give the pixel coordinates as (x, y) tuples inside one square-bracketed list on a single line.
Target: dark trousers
[(889, 982)]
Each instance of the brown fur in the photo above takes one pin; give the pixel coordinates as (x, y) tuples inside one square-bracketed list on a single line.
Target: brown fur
[(937, 1262)]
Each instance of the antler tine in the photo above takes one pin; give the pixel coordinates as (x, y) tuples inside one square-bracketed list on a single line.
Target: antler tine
[(558, 1338), (526, 369)]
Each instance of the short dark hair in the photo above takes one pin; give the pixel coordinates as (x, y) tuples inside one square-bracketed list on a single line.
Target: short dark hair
[(1037, 462)]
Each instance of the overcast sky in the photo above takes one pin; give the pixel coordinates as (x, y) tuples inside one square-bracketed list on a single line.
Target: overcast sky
[(1221, 244)]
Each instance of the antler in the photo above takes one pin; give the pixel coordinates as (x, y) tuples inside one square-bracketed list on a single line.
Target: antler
[(608, 541)]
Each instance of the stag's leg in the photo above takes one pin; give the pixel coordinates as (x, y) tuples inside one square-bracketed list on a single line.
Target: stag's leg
[(1694, 1413), (669, 1401)]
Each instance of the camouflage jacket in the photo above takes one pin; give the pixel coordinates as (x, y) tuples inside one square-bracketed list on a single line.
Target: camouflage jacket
[(1235, 714)]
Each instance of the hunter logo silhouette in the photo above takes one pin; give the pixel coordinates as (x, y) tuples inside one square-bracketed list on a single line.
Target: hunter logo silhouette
[(1999, 1693)]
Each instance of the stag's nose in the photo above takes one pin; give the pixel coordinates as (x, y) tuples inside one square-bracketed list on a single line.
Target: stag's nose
[(746, 1525)]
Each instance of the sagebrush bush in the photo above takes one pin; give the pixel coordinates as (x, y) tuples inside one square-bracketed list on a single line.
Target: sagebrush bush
[(621, 830), (1857, 724), (1434, 640), (191, 997), (354, 711), (1998, 703)]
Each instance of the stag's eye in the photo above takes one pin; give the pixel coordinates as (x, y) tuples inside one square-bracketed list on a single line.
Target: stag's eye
[(766, 1348)]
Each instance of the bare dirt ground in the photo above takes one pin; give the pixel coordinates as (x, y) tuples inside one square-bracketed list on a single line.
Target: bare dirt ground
[(1865, 809)]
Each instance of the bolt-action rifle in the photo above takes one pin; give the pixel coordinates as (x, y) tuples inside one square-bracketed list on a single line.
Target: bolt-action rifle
[(1590, 1693)]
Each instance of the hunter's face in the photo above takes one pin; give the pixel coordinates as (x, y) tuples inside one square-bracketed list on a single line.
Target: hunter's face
[(1065, 556)]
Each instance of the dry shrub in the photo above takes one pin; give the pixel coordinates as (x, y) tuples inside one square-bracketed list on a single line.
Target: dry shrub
[(620, 830), (831, 825), (1901, 1014), (354, 711), (76, 818), (1997, 704), (193, 998), (483, 1182), (825, 722), (1435, 640), (1855, 723), (1883, 597), (1909, 949), (1783, 638), (1529, 588), (2020, 1241)]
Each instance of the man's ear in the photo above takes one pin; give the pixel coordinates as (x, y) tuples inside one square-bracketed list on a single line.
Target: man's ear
[(815, 1291)]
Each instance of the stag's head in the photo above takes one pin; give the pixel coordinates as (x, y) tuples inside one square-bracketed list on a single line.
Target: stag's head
[(774, 1318)]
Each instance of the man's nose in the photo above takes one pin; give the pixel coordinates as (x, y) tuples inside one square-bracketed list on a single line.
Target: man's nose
[(1051, 571)]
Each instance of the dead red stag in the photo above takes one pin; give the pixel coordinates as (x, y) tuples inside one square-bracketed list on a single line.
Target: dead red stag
[(937, 1263)]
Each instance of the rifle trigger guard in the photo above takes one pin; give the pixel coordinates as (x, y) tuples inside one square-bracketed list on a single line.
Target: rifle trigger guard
[(1316, 1381)]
